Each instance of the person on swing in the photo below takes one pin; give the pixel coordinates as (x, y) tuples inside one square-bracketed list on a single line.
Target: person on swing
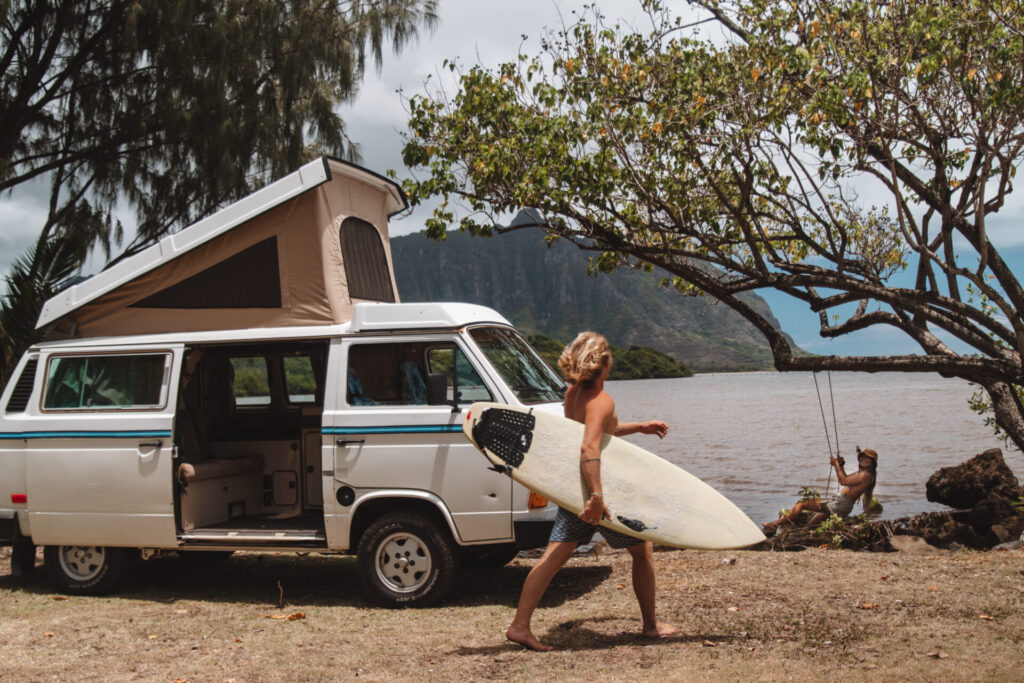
[(858, 484), (585, 363)]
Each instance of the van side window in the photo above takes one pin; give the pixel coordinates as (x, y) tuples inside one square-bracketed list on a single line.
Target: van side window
[(250, 383), (450, 361), (97, 382), (376, 377), (396, 374), (299, 380)]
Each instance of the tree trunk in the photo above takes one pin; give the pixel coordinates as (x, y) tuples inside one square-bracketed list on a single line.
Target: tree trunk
[(1006, 407)]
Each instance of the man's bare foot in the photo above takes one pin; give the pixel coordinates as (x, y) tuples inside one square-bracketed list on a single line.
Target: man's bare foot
[(659, 631), (526, 638)]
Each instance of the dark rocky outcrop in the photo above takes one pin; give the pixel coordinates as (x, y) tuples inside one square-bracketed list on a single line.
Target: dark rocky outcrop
[(968, 483), (940, 529)]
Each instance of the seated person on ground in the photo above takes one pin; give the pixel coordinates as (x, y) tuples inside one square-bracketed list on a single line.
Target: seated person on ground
[(858, 484)]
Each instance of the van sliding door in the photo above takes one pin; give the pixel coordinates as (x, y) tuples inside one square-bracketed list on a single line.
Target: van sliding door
[(99, 450)]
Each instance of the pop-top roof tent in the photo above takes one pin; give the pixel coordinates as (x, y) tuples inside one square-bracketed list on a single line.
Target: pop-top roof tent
[(301, 251)]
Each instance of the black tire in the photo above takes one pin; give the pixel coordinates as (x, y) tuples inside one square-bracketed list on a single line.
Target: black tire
[(85, 570), (204, 557), (406, 559), (488, 556)]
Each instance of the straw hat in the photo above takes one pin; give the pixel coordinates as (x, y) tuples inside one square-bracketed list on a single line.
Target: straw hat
[(868, 453)]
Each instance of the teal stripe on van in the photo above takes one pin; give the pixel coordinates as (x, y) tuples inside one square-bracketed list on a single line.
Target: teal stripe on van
[(403, 429), (127, 434)]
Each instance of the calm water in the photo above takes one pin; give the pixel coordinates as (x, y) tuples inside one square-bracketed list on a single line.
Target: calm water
[(759, 437)]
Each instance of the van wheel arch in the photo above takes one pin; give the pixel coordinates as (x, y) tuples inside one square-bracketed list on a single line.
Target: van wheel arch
[(370, 511)]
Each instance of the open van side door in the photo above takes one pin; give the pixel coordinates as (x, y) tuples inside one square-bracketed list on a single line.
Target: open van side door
[(99, 447)]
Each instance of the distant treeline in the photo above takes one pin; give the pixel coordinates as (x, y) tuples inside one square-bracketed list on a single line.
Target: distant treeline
[(637, 362)]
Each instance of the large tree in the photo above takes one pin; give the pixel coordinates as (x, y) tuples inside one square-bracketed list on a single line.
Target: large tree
[(820, 148), (171, 107)]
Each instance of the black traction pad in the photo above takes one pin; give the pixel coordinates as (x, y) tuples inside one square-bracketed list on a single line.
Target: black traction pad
[(506, 433), (634, 524)]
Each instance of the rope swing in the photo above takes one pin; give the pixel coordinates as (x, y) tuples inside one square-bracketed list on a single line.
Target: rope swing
[(824, 423)]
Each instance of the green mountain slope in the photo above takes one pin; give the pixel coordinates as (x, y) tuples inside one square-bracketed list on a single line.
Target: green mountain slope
[(547, 290)]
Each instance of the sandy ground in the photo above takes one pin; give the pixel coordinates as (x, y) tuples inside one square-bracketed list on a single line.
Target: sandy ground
[(818, 614)]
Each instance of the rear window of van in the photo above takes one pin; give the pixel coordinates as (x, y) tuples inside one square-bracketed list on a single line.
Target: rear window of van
[(112, 381)]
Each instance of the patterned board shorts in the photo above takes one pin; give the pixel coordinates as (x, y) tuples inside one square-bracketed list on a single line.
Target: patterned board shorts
[(839, 505), (571, 529)]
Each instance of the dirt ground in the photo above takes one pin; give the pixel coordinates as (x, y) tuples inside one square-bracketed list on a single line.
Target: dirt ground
[(818, 614)]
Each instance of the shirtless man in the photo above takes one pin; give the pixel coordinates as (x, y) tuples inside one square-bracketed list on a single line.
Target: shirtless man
[(586, 363), (859, 484)]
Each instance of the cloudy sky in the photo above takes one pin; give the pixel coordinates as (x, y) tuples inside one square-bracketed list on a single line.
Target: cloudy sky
[(488, 33), (470, 31)]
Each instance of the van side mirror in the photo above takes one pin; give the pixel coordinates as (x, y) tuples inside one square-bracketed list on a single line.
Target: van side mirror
[(437, 389)]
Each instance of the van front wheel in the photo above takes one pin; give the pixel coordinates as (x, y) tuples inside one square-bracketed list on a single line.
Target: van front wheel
[(84, 570), (405, 559)]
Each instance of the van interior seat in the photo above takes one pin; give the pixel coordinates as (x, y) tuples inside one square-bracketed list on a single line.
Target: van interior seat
[(219, 467)]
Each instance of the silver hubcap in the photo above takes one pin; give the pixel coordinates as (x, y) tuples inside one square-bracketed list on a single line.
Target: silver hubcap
[(80, 562), (403, 562)]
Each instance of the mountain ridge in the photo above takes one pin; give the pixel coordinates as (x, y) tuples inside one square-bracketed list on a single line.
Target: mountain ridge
[(545, 289)]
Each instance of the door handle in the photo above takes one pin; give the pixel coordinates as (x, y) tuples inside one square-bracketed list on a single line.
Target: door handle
[(151, 444), (349, 442)]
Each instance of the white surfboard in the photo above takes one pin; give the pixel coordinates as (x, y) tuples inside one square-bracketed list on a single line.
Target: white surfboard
[(649, 497)]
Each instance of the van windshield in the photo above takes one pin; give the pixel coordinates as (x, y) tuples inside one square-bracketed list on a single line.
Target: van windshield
[(525, 372)]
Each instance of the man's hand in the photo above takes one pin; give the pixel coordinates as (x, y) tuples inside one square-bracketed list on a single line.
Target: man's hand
[(595, 510), (654, 427)]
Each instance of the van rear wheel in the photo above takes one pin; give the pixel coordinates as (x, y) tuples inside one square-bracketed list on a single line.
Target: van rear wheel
[(84, 570), (406, 559)]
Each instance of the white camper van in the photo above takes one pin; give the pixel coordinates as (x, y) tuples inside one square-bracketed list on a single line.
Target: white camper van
[(252, 383)]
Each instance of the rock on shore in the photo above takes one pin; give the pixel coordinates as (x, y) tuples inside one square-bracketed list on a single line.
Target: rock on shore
[(970, 482)]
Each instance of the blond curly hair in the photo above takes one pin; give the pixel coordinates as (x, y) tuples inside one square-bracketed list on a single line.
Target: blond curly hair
[(583, 360)]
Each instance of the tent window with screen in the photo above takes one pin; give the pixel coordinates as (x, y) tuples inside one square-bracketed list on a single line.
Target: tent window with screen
[(249, 279), (366, 263)]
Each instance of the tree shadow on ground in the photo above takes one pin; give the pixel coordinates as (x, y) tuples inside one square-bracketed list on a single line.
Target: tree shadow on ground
[(305, 581), (576, 635)]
